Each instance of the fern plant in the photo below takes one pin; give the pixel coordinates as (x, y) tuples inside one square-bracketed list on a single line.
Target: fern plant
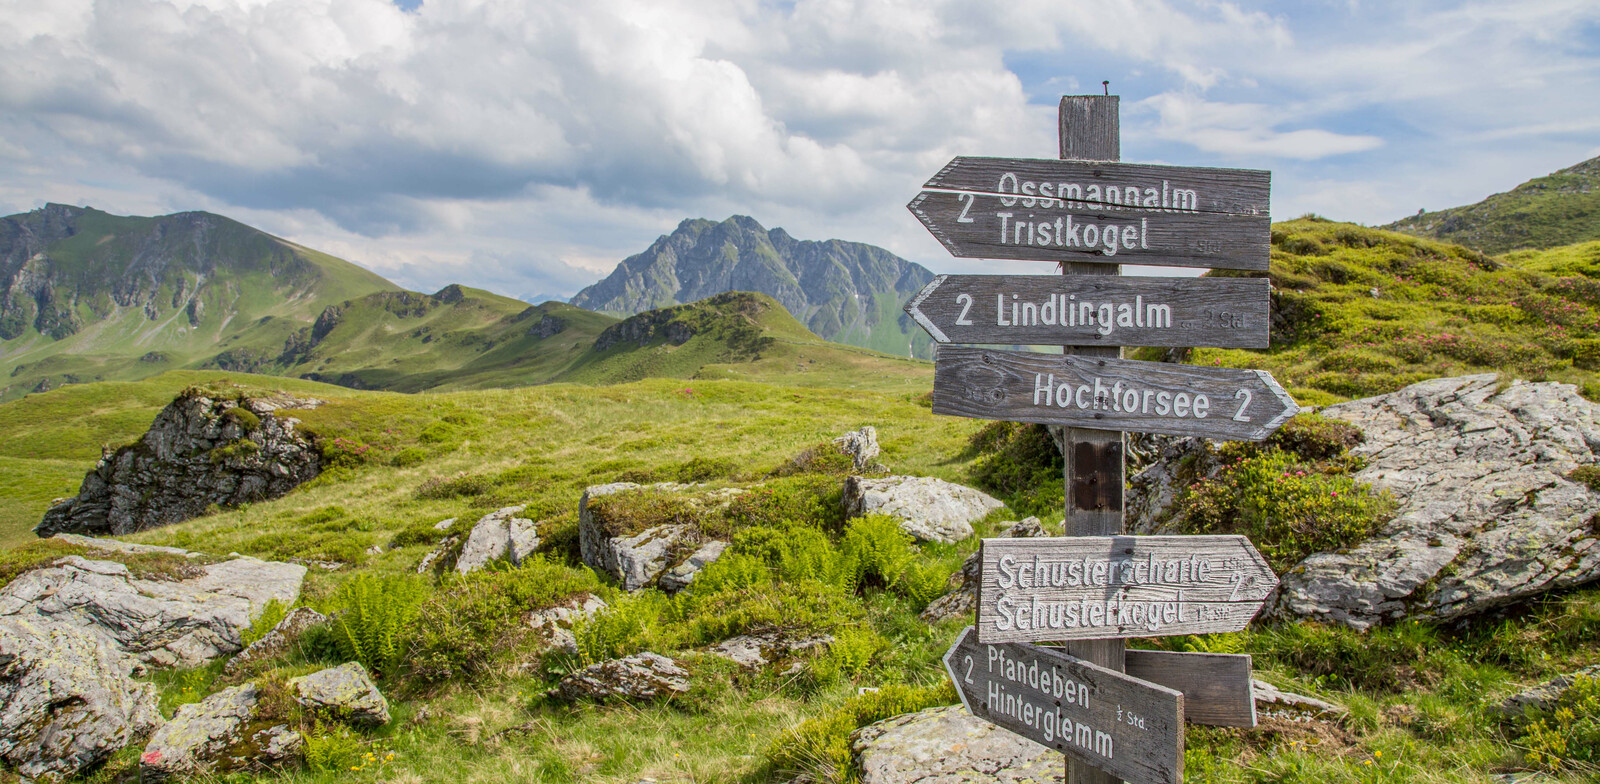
[(373, 615)]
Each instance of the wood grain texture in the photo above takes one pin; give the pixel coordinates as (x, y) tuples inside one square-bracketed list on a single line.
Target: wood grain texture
[(1216, 686), (1083, 310), (1022, 386), (1125, 726), (1094, 587), (1093, 459), (978, 226), (1157, 189)]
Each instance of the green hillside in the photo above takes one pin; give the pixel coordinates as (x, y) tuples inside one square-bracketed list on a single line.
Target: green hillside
[(89, 296), (1359, 311), (1559, 209)]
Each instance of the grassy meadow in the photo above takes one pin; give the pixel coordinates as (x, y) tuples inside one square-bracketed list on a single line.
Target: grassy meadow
[(747, 407)]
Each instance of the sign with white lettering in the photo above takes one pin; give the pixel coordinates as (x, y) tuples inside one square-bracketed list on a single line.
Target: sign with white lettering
[(1115, 213), (1092, 587), (1109, 394), (1127, 727), (1094, 310)]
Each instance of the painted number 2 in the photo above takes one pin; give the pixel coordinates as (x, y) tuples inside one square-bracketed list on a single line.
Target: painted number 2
[(1240, 417), (968, 660), (968, 198), (965, 301)]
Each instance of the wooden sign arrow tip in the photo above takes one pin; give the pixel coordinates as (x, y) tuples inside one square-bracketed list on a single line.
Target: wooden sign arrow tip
[(914, 310)]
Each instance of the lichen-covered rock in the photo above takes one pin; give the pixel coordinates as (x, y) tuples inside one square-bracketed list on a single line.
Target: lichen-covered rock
[(963, 601), (638, 557), (758, 650), (554, 624), (66, 699), (678, 577), (276, 643), (932, 510), (200, 451), (1272, 702), (162, 623), (1546, 694), (1487, 514), (217, 734), (642, 676), (499, 534), (344, 692), (950, 746), (861, 446)]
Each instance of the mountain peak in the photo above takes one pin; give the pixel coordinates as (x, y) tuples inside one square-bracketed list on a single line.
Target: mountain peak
[(1560, 208)]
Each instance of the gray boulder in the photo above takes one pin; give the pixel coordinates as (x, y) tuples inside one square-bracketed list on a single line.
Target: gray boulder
[(1487, 515), (162, 623), (199, 451), (950, 746), (218, 734), (638, 559), (758, 650), (862, 448), (554, 624), (1546, 694), (344, 692), (66, 699), (932, 510), (642, 676), (678, 577), (499, 534), (276, 643), (1272, 702), (963, 601)]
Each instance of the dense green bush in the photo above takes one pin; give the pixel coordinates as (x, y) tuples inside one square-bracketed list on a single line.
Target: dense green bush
[(1020, 464), (373, 616), (462, 629)]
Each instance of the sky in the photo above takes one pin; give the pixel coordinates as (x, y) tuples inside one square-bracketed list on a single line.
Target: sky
[(528, 146)]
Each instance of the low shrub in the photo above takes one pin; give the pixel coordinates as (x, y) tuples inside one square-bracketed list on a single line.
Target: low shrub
[(820, 747), (237, 449), (1020, 464), (821, 458), (705, 469), (627, 626), (1566, 737), (793, 609), (853, 650), (1587, 475), (373, 617), (462, 629), (1384, 659), (459, 486)]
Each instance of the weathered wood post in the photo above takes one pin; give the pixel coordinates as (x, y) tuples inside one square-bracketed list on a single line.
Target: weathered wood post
[(1090, 127)]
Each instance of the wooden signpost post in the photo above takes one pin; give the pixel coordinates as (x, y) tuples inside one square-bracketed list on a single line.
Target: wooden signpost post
[(1113, 712)]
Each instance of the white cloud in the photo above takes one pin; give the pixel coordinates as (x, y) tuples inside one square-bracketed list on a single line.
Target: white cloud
[(1244, 129)]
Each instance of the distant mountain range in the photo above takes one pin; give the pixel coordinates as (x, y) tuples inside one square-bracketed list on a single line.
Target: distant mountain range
[(847, 292), (1559, 209)]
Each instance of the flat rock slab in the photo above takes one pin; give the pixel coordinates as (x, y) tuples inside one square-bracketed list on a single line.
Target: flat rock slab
[(643, 676), (950, 746), (164, 624), (1487, 515), (66, 699), (344, 692), (932, 510)]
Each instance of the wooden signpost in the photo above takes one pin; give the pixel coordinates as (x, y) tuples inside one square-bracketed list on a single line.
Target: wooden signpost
[(1113, 712), (1002, 208), (1120, 394), (1117, 723), (1091, 587), (1056, 310)]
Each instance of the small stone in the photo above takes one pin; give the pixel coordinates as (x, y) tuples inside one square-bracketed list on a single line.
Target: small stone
[(554, 624), (199, 735), (1547, 694), (444, 525), (950, 745), (643, 676), (276, 643), (1271, 701), (757, 650), (499, 534), (344, 692), (861, 447), (678, 577)]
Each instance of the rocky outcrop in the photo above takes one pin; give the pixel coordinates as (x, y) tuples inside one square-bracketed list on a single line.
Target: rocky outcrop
[(932, 510), (638, 558), (861, 446), (499, 534), (948, 745), (276, 643), (345, 693), (220, 733), (963, 601), (1487, 514), (163, 623), (1547, 694), (554, 624), (66, 699), (643, 676), (758, 650), (201, 450), (678, 577)]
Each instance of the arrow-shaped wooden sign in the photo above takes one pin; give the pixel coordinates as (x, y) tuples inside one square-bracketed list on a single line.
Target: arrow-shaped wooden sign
[(1116, 213), (1094, 587), (1094, 310), (1217, 687), (1109, 394), (1127, 727)]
